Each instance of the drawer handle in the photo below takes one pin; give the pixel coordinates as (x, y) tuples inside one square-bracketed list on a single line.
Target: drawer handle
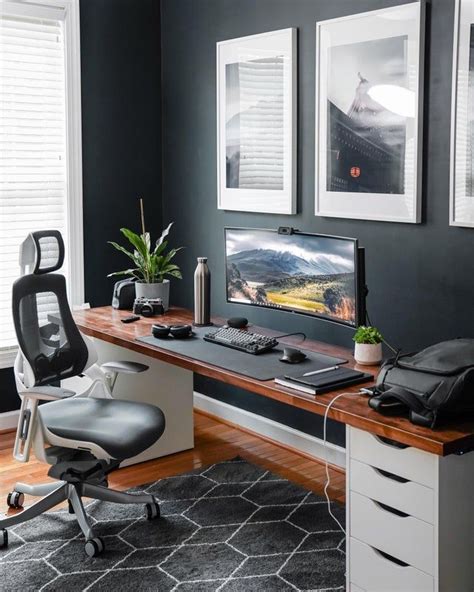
[(391, 558), (392, 443), (391, 510), (391, 476)]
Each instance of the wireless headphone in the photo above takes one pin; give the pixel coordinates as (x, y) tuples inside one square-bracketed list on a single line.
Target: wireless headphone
[(176, 331)]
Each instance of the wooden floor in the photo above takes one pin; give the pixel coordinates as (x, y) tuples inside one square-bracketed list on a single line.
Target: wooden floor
[(214, 441)]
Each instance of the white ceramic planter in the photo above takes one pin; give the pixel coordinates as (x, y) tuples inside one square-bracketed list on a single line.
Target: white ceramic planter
[(368, 354), (159, 290)]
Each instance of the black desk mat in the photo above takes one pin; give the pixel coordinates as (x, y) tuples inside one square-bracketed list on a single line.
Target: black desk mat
[(261, 367)]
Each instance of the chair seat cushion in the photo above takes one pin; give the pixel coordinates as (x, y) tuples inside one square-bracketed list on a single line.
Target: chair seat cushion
[(122, 428)]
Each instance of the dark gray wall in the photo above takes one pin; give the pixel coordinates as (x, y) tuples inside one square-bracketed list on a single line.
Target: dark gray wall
[(419, 276), (121, 138), (121, 126)]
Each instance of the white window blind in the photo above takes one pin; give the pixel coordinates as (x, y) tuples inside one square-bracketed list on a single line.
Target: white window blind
[(33, 144)]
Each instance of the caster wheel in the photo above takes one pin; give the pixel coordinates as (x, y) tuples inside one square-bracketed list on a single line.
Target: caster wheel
[(3, 538), (94, 547), (70, 508), (15, 499), (152, 511)]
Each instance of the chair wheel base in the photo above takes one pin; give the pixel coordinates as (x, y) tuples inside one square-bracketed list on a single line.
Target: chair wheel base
[(152, 511), (94, 547), (15, 499), (3, 538)]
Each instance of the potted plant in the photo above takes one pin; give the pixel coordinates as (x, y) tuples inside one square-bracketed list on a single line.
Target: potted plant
[(151, 263), (368, 346)]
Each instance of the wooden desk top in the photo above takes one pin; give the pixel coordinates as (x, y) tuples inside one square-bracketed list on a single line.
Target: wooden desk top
[(104, 323)]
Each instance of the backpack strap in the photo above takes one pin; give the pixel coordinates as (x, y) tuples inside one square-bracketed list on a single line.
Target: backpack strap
[(418, 412)]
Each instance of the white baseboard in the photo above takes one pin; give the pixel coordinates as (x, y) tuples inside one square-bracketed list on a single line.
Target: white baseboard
[(283, 434), (9, 419)]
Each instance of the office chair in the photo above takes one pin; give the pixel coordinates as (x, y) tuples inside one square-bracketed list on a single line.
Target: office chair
[(82, 436)]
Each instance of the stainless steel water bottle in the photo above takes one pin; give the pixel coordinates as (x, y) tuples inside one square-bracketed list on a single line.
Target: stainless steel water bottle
[(202, 294)]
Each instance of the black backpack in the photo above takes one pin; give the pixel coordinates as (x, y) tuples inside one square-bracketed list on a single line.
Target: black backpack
[(434, 385)]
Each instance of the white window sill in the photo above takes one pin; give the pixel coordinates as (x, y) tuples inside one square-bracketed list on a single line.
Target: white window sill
[(7, 357)]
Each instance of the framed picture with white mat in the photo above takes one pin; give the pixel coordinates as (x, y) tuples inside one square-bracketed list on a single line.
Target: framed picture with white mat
[(461, 210), (369, 98), (256, 123)]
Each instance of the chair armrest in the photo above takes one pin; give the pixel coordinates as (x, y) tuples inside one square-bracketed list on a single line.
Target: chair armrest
[(47, 393), (123, 367)]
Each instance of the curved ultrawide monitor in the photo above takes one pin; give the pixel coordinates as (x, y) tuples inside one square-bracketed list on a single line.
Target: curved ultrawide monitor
[(313, 274)]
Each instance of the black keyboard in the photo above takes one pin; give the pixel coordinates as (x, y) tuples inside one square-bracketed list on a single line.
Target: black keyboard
[(250, 343)]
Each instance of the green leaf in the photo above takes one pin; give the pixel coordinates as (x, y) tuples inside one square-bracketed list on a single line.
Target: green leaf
[(131, 272), (167, 258), (164, 234), (123, 250), (137, 241), (147, 241), (171, 270), (160, 248)]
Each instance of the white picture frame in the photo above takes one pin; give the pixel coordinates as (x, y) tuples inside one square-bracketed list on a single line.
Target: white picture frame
[(461, 182), (259, 73), (373, 171)]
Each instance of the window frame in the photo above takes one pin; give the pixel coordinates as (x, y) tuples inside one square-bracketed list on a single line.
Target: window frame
[(68, 12)]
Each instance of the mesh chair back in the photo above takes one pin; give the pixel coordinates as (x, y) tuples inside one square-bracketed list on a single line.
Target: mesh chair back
[(47, 334)]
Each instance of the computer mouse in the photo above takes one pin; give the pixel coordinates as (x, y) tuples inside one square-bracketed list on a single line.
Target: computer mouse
[(292, 355)]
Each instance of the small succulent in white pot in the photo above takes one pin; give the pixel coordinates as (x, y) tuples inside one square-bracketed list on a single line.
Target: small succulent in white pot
[(151, 263), (368, 346)]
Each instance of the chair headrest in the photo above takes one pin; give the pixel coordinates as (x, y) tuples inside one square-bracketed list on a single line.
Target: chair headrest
[(42, 252)]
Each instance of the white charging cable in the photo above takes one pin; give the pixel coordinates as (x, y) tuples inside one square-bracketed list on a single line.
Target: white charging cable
[(328, 477)]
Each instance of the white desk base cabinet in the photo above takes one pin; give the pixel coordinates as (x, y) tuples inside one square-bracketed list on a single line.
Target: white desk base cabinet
[(165, 385), (410, 518)]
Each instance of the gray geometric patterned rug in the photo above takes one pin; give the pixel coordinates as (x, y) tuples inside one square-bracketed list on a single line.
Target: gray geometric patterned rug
[(231, 527)]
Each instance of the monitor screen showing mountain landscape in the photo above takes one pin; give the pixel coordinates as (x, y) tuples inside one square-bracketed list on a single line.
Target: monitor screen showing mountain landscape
[(311, 274)]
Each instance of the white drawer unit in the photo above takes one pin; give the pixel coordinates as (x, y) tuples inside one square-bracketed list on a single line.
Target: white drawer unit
[(395, 491), (409, 539), (410, 518), (373, 571), (404, 461)]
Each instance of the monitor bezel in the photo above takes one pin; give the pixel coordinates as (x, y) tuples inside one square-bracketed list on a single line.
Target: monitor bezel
[(358, 273)]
